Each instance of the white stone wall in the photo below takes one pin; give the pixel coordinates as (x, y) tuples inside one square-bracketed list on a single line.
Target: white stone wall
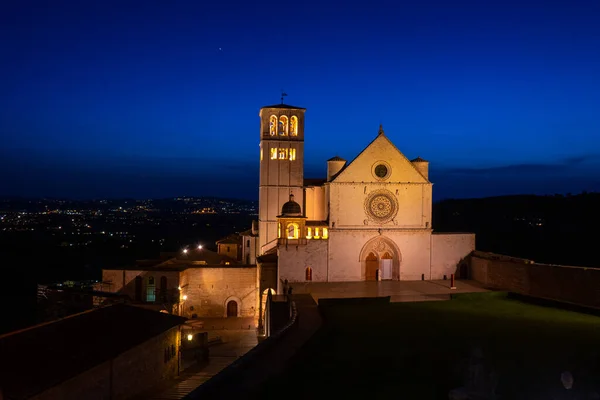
[(346, 246), (447, 250), (293, 261)]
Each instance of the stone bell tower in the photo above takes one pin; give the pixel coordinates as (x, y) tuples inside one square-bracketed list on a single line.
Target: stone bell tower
[(281, 166)]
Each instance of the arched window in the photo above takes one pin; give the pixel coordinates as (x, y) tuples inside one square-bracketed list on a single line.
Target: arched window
[(283, 125), (273, 125), (308, 274), (292, 231), (278, 230), (294, 126), (150, 290), (309, 233), (248, 243)]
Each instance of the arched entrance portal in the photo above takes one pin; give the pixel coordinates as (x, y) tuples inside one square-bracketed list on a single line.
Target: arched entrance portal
[(371, 267), (380, 259), (232, 308)]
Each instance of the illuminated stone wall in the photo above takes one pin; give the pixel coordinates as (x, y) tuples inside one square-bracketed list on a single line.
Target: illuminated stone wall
[(349, 248), (229, 250), (577, 285), (208, 290), (447, 252), (315, 208), (293, 261)]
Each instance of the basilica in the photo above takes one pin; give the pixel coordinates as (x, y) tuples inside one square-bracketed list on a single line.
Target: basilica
[(368, 219)]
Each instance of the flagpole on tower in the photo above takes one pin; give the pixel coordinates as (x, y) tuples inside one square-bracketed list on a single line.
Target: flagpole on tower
[(283, 94)]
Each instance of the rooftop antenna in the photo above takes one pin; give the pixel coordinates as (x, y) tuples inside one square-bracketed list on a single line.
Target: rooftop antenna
[(283, 94)]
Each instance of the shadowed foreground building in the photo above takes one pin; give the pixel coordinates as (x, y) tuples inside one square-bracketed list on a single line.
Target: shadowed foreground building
[(114, 352)]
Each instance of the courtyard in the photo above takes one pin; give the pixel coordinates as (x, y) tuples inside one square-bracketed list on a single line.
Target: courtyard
[(484, 344)]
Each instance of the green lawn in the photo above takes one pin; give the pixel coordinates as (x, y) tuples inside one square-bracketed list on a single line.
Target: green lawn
[(422, 350)]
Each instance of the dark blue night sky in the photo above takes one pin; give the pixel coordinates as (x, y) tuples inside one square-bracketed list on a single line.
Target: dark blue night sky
[(161, 98)]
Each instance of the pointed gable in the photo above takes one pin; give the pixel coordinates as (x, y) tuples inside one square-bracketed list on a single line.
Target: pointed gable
[(380, 151)]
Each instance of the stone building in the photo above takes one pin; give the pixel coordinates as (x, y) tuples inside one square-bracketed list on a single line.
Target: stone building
[(114, 352), (369, 219), (194, 283)]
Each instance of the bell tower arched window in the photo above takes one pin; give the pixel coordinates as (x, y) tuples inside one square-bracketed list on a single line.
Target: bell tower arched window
[(292, 231), (273, 125), (283, 125), (294, 126)]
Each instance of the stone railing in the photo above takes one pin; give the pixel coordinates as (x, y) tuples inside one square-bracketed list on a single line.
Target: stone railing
[(575, 285)]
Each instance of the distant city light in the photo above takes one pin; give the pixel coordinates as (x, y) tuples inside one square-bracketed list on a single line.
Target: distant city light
[(199, 247), (185, 251)]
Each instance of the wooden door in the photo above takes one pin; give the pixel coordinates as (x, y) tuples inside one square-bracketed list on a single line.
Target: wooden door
[(232, 309), (372, 265)]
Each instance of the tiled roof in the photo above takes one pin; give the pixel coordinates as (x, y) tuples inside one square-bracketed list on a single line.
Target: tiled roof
[(208, 256), (37, 358), (270, 257), (247, 233), (231, 239)]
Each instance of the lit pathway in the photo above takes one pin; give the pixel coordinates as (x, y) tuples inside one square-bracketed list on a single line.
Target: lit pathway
[(221, 355)]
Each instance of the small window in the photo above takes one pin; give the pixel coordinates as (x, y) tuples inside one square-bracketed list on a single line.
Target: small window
[(228, 249), (308, 274), (248, 243), (325, 233), (309, 233)]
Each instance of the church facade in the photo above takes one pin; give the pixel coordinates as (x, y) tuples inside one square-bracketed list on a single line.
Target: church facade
[(369, 219)]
